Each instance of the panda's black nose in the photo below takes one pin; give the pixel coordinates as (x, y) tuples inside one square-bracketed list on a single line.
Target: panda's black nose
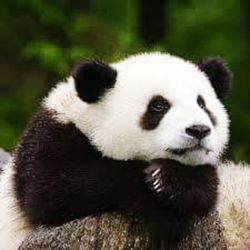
[(198, 131)]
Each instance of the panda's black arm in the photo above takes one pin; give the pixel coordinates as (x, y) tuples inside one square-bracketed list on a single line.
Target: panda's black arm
[(55, 195), (94, 188), (61, 176)]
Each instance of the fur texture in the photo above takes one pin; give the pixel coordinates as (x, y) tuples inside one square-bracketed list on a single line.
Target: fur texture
[(234, 203), (185, 189), (218, 74), (92, 78), (13, 222)]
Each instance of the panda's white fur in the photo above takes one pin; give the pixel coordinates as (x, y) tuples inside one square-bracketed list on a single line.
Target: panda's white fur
[(113, 127), (13, 225), (234, 204), (113, 124)]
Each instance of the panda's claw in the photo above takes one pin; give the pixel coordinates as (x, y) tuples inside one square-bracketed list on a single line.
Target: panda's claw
[(154, 178), (156, 187), (156, 183), (159, 190), (156, 172)]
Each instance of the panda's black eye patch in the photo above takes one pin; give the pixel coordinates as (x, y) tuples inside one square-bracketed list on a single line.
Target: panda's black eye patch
[(201, 102), (156, 109)]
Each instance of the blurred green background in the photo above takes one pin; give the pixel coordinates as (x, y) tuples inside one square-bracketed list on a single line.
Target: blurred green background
[(40, 39)]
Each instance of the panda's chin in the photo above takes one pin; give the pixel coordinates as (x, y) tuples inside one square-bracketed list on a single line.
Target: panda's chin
[(195, 157)]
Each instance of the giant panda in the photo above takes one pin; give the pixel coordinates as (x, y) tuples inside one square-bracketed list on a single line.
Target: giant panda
[(144, 134)]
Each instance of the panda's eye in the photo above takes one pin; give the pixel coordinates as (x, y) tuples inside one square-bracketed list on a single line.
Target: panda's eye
[(157, 107), (201, 102), (159, 104)]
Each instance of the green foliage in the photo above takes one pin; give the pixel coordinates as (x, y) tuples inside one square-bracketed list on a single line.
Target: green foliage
[(50, 35), (49, 55), (16, 106)]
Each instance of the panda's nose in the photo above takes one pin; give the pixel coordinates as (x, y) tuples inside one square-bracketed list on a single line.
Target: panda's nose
[(198, 131)]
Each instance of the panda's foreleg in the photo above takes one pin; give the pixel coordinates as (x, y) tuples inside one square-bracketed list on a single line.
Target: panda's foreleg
[(57, 194), (98, 188), (187, 190)]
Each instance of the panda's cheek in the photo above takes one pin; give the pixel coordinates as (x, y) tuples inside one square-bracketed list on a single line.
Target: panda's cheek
[(165, 140), (215, 147)]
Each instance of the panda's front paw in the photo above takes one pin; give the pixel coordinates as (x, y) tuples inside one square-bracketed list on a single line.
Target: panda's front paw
[(188, 190), (162, 183), (154, 178)]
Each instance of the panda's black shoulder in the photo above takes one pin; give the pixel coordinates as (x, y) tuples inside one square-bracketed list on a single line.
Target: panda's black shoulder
[(46, 148), (58, 172), (44, 132)]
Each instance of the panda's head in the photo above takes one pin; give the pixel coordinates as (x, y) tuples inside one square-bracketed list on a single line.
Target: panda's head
[(149, 106)]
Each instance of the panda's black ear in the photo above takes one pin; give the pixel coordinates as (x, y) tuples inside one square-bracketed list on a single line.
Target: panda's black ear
[(92, 79), (219, 75)]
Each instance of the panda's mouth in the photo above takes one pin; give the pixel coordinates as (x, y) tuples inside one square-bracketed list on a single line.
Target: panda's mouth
[(182, 151)]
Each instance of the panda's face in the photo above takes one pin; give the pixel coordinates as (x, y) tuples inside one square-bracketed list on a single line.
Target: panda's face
[(159, 106)]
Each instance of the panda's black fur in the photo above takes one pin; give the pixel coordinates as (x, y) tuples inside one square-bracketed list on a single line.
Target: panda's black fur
[(60, 176), (219, 75), (93, 72)]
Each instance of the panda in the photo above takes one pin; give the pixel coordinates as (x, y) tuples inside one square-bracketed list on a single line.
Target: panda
[(144, 134)]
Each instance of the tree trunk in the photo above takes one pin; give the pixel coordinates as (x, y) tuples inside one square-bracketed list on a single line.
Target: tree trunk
[(122, 232)]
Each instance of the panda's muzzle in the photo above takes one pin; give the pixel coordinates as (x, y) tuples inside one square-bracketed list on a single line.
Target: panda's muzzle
[(198, 131), (182, 151)]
